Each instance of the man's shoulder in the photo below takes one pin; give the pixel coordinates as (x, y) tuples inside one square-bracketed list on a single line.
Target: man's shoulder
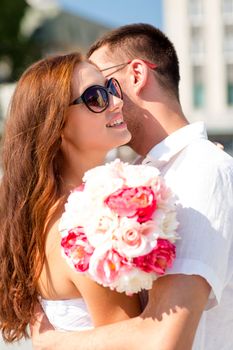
[(206, 152), (204, 163)]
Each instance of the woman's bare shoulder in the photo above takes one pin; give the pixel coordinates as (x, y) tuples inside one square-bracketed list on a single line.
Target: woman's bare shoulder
[(55, 280)]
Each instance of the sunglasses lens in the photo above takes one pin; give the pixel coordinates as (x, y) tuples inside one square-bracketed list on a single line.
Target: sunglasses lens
[(114, 88), (96, 99)]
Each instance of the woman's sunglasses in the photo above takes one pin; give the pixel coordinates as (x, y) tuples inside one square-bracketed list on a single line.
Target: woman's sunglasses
[(96, 97)]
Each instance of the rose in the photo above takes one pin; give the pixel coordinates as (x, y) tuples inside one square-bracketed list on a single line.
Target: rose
[(159, 259), (134, 239), (133, 201), (77, 249)]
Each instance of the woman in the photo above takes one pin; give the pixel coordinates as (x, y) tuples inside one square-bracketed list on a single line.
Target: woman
[(64, 118)]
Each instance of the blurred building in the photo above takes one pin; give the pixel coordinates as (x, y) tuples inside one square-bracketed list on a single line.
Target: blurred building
[(202, 32), (67, 32)]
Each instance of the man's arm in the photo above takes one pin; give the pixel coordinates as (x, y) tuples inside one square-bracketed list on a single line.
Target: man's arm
[(169, 322)]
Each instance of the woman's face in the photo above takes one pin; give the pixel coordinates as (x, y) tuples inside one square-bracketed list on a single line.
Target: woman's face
[(87, 131)]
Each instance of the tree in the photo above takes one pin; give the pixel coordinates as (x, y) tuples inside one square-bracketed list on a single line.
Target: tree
[(16, 49)]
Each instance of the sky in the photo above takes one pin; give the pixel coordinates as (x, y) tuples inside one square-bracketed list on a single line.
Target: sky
[(111, 13)]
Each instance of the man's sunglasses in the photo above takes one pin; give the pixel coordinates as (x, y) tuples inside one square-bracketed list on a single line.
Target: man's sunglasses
[(124, 64), (96, 97)]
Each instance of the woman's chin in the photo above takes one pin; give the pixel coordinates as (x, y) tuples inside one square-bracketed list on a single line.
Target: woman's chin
[(125, 139)]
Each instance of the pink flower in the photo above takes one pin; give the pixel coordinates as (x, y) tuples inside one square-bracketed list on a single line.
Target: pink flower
[(80, 188), (108, 267), (133, 201), (134, 239), (77, 248), (159, 259)]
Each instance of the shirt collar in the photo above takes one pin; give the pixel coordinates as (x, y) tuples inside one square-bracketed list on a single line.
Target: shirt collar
[(161, 153)]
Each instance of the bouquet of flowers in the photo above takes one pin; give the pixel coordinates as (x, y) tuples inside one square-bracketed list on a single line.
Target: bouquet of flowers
[(119, 227)]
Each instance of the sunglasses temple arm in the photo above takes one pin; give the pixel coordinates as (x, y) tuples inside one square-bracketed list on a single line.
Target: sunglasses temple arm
[(117, 65), (77, 101)]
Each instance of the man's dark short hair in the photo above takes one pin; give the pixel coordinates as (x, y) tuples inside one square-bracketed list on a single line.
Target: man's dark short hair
[(146, 42)]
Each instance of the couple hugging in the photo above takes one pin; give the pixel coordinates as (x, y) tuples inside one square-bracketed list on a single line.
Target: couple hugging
[(66, 114)]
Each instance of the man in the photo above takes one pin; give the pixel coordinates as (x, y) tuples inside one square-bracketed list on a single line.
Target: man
[(192, 306)]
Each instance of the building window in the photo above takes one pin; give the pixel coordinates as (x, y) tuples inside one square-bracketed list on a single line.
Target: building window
[(229, 75), (227, 7), (195, 8), (198, 87), (228, 38), (197, 41)]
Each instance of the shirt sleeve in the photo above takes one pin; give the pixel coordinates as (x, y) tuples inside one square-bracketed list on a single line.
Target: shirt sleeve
[(205, 215)]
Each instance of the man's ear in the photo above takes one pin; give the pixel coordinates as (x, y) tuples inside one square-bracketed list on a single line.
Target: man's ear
[(139, 74)]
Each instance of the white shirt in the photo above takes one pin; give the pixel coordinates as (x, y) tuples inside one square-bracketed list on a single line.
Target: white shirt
[(201, 176)]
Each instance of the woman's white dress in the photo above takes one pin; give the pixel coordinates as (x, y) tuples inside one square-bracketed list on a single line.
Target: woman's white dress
[(67, 315)]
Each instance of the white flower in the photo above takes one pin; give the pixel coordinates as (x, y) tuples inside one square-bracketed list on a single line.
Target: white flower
[(104, 180), (100, 226), (166, 224), (76, 211), (134, 281), (140, 175)]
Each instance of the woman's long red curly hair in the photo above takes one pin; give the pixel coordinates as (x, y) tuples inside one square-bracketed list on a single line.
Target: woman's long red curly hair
[(30, 185)]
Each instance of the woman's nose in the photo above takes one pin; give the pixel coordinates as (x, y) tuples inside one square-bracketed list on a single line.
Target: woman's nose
[(115, 102)]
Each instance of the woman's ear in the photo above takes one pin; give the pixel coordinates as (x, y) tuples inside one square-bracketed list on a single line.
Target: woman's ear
[(139, 74)]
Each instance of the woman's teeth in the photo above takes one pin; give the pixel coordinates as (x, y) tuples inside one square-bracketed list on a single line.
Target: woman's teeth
[(116, 122)]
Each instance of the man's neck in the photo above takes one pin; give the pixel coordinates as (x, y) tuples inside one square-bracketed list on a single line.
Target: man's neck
[(155, 131)]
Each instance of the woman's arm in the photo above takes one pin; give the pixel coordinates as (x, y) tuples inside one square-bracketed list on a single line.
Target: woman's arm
[(104, 305), (169, 322)]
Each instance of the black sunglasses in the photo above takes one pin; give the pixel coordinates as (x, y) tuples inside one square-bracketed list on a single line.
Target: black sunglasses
[(96, 97)]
